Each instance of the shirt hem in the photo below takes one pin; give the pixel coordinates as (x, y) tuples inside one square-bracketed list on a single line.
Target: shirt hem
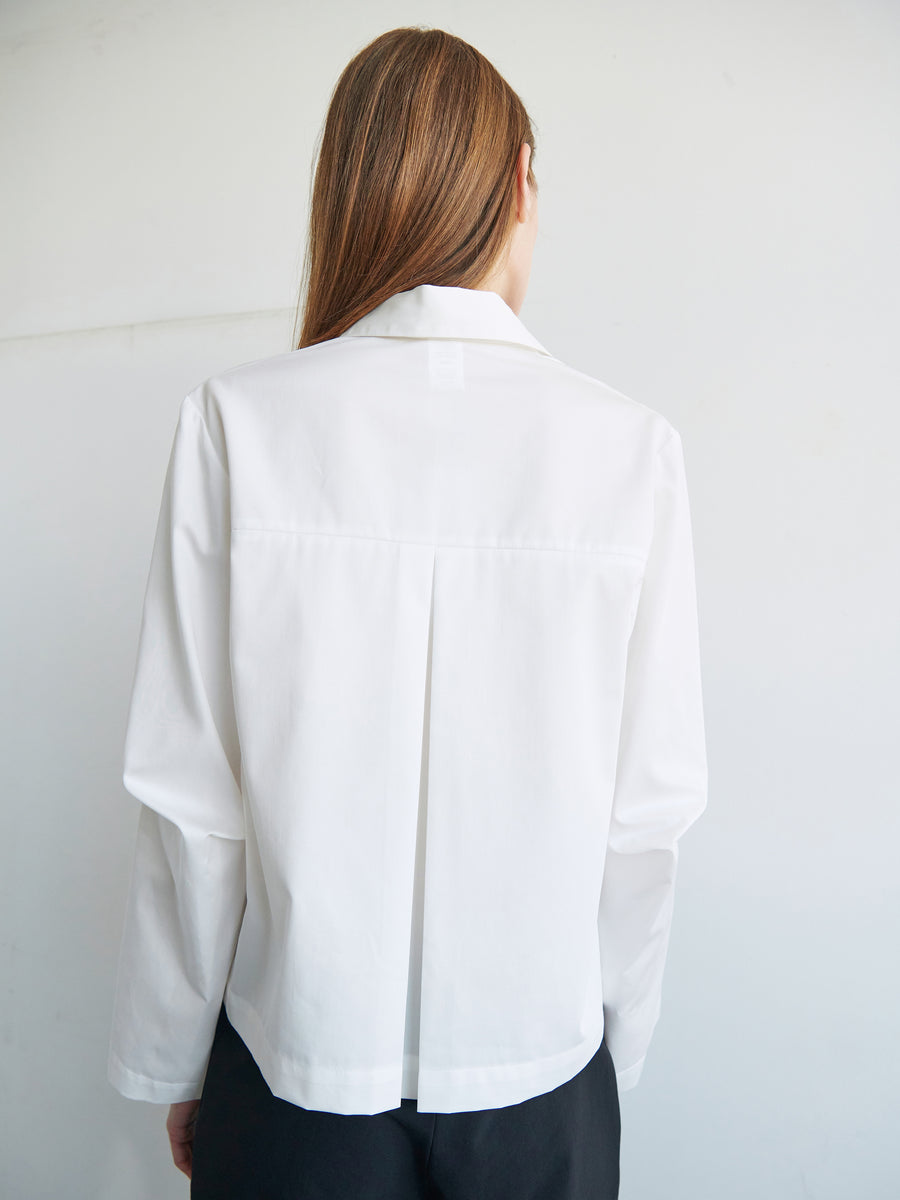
[(439, 1089)]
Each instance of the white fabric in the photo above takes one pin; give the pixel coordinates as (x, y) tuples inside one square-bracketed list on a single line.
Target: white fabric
[(416, 721)]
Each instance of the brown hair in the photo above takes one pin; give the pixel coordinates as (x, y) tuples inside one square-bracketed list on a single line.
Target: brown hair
[(415, 180)]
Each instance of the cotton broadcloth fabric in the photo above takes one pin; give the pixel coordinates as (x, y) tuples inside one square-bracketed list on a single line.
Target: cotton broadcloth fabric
[(416, 723)]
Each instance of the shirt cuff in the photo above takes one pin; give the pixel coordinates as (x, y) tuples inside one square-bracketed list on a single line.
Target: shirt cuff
[(141, 1087), (627, 1079)]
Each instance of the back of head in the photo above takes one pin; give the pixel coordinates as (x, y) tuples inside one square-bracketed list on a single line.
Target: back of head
[(416, 177)]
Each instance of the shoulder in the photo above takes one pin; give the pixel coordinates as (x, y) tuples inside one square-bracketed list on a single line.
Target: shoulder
[(222, 396), (625, 410), (257, 372)]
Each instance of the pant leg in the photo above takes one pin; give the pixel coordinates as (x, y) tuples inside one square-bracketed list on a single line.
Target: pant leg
[(561, 1145), (252, 1145)]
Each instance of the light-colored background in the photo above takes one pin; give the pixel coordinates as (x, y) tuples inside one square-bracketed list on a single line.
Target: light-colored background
[(720, 189)]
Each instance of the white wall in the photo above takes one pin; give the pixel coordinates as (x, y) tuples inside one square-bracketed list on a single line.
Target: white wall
[(720, 187)]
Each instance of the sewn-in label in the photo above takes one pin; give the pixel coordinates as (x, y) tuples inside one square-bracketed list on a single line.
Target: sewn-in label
[(445, 365)]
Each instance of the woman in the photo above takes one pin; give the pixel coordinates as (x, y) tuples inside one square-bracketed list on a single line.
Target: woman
[(416, 721)]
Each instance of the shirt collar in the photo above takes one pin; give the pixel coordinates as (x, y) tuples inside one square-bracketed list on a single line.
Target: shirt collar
[(437, 311)]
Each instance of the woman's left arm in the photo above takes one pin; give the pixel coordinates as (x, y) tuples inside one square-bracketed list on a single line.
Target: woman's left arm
[(182, 762)]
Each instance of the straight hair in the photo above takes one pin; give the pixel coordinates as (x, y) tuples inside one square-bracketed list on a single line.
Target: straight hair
[(415, 180)]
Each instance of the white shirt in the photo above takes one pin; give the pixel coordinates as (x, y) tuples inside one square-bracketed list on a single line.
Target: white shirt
[(416, 721)]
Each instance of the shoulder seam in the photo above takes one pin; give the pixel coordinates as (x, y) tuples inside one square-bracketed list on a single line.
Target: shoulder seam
[(191, 403)]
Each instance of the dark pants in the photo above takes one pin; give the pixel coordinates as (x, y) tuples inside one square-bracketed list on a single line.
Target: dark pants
[(251, 1145)]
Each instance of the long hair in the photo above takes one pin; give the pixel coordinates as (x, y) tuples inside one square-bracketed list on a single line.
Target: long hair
[(415, 180)]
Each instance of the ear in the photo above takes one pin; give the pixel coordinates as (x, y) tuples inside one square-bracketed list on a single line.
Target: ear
[(525, 195)]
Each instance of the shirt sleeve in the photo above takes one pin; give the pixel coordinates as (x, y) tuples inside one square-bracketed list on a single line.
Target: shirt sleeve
[(661, 775), (182, 762)]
